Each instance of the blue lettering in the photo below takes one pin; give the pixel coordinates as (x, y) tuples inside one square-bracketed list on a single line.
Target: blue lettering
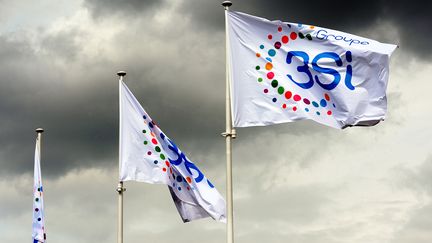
[(301, 69), (330, 71)]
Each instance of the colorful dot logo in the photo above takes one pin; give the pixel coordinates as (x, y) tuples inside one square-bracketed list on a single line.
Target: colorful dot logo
[(288, 99), (155, 151)]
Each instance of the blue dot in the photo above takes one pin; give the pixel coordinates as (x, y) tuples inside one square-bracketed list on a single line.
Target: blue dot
[(261, 46), (307, 109), (272, 52), (269, 59), (315, 104), (150, 125), (318, 113), (274, 99), (323, 103), (179, 188), (162, 136), (179, 179), (39, 219), (144, 117), (334, 105), (155, 162)]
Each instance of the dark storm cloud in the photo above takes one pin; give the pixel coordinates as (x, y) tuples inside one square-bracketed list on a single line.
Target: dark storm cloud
[(412, 19), (101, 8)]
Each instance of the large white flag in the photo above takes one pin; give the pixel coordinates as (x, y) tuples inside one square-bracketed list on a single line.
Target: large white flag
[(148, 155), (283, 72), (38, 206)]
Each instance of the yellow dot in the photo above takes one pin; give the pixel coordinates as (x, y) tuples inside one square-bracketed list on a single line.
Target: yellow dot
[(269, 66)]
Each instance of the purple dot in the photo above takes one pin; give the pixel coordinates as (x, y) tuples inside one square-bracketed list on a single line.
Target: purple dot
[(306, 101), (266, 91), (277, 45), (149, 153)]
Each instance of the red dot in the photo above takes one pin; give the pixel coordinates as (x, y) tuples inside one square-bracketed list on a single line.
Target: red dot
[(266, 91), (270, 75), (171, 171), (327, 97), (288, 95), (293, 35), (285, 39), (329, 113), (188, 188), (154, 141), (164, 169), (167, 163), (270, 37), (280, 29), (284, 106), (297, 97), (294, 108)]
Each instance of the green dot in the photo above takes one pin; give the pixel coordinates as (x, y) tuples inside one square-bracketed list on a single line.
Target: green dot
[(162, 156), (157, 149), (257, 67), (281, 90), (37, 199), (144, 131), (260, 79), (309, 37), (301, 35), (145, 142), (274, 83)]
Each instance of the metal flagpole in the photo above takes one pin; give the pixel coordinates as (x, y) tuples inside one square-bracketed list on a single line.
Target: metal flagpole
[(120, 188), (229, 134)]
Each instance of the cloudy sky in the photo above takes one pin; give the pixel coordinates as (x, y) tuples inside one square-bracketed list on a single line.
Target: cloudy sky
[(299, 182)]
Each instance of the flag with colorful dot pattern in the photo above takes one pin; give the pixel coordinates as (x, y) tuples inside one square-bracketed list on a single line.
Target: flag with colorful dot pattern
[(285, 72), (148, 155), (38, 205)]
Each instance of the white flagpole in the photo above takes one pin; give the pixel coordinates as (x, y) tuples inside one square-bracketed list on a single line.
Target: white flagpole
[(229, 134), (120, 188)]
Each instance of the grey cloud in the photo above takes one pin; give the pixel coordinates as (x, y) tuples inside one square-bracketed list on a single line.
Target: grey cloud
[(101, 8)]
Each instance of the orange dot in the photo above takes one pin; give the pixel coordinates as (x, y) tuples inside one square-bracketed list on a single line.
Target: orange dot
[(311, 27), (258, 55), (152, 134), (188, 179), (327, 97), (269, 66)]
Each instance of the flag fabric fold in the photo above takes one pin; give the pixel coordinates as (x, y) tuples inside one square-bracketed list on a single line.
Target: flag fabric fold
[(284, 72), (148, 155), (38, 235)]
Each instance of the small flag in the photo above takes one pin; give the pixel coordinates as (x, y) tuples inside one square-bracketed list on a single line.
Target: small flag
[(39, 235), (284, 72), (148, 155)]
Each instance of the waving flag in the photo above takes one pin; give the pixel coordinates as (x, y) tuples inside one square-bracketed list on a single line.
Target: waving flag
[(284, 72), (148, 155), (39, 235)]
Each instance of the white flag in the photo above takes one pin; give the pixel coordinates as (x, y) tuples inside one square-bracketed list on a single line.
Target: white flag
[(148, 155), (284, 72), (38, 206)]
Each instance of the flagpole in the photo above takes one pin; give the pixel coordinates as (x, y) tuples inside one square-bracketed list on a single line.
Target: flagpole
[(120, 189), (229, 134)]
